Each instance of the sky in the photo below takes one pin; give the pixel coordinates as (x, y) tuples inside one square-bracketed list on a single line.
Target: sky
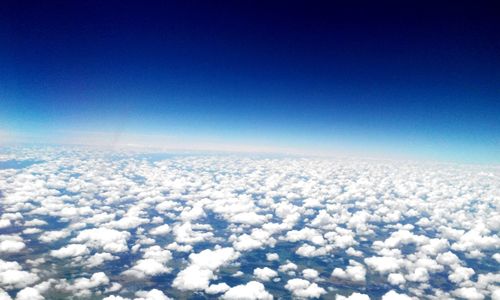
[(393, 79)]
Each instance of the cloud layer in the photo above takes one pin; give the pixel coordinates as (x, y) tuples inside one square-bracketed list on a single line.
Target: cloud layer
[(123, 225)]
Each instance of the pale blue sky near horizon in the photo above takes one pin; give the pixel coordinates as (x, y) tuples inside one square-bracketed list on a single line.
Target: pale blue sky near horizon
[(392, 81)]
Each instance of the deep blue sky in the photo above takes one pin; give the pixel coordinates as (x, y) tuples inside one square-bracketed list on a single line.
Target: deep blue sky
[(405, 77)]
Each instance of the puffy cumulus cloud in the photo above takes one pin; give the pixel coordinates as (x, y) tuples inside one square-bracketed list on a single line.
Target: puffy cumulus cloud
[(478, 238), (396, 279), (71, 250), (157, 253), (217, 288), (253, 290), (193, 278), (341, 238), (109, 240), (275, 256), (160, 230), (202, 267), (249, 218), (114, 297), (384, 264), (82, 287), (402, 237), (310, 274), (306, 234), (448, 259), (470, 293), (4, 223), (146, 267), (258, 238), (353, 296), (9, 265), (99, 258), (324, 220), (354, 272), (264, 274), (187, 233), (11, 244), (289, 266), (247, 242), (193, 213), (418, 275), (52, 236), (127, 223), (153, 294), (393, 295), (310, 251), (460, 274), (213, 259), (434, 246), (12, 276), (179, 248), (29, 293), (304, 289), (10, 279)]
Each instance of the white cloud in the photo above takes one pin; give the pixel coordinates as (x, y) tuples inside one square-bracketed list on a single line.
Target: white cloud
[(392, 295), (193, 278), (160, 230), (186, 234), (310, 274), (448, 259), (217, 288), (52, 236), (146, 267), (470, 293), (5, 223), (114, 297), (158, 254), (109, 240), (251, 291), (9, 245), (396, 279), (29, 293), (250, 218), (353, 296), (264, 274), (153, 294), (383, 264), (272, 256), (82, 287), (17, 278), (202, 267), (127, 222), (460, 274), (99, 258), (311, 251), (304, 289), (246, 242), (305, 234), (71, 250), (354, 272), (418, 275), (289, 266)]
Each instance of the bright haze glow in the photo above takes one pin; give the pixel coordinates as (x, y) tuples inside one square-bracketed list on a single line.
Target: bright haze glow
[(397, 80)]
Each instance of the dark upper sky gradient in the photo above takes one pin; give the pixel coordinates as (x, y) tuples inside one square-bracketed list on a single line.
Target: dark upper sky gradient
[(422, 77)]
